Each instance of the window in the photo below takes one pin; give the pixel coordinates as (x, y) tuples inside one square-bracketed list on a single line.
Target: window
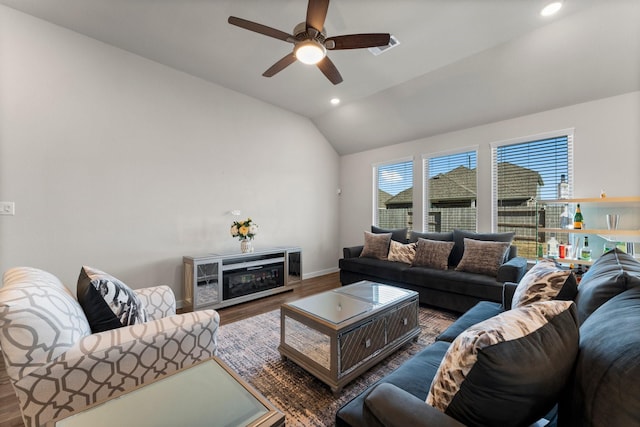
[(524, 171), (450, 192), (394, 190)]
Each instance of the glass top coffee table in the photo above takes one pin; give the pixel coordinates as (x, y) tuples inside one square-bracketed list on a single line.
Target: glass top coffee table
[(208, 393), (338, 334)]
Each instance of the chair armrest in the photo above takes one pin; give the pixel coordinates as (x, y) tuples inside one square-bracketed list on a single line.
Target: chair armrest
[(353, 251), (390, 406), (159, 301), (512, 270), (107, 364), (508, 289)]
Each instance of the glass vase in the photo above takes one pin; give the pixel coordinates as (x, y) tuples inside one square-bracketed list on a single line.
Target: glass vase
[(246, 246)]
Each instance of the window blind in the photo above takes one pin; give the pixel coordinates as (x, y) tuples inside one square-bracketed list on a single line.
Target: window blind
[(394, 195), (523, 172), (450, 192)]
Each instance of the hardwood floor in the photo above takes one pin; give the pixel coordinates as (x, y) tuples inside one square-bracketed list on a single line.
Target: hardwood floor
[(10, 412)]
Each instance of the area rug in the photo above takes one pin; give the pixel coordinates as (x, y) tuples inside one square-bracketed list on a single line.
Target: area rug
[(250, 348)]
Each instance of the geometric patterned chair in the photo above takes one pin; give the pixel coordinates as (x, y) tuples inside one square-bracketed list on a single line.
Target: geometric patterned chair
[(57, 366)]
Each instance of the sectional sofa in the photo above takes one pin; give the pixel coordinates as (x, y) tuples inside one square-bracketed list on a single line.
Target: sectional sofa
[(579, 367), (450, 275)]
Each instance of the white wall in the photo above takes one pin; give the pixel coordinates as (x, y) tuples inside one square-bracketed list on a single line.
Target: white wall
[(606, 156), (126, 165)]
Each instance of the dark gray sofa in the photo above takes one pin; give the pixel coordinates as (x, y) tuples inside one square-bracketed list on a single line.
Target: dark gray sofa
[(604, 386), (449, 289)]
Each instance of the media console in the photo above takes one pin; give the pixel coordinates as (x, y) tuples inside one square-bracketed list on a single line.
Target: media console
[(220, 280)]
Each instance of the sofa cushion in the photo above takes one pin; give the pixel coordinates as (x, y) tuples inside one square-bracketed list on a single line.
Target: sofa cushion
[(478, 313), (482, 257), (508, 370), (107, 302), (545, 281), (410, 376), (39, 320), (376, 245), (443, 237), (397, 234), (432, 253), (610, 275), (380, 269), (606, 387), (404, 253), (455, 282), (460, 235)]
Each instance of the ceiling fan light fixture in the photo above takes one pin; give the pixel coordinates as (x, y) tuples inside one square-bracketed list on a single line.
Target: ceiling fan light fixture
[(551, 8), (310, 52)]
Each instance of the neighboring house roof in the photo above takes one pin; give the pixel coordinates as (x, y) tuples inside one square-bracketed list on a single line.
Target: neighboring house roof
[(383, 196), (460, 184), (403, 199)]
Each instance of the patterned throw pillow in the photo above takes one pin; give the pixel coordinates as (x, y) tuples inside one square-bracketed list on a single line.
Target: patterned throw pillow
[(107, 302), (482, 257), (545, 281), (432, 253), (402, 253), (508, 370), (376, 245)]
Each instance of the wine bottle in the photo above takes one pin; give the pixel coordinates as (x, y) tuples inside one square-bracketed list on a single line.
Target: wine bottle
[(563, 187), (577, 218), (585, 254)]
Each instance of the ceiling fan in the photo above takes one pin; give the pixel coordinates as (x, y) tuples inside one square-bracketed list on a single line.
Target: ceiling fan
[(310, 41)]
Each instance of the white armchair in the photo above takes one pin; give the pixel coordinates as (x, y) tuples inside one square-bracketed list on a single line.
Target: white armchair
[(57, 366)]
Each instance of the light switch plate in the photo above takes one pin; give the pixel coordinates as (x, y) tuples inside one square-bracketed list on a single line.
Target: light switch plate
[(7, 208)]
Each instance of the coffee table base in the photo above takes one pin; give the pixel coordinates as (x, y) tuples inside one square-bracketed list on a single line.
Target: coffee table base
[(338, 352)]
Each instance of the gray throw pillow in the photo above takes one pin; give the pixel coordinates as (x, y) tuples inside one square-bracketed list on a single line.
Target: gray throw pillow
[(397, 234), (376, 245), (432, 253), (482, 257)]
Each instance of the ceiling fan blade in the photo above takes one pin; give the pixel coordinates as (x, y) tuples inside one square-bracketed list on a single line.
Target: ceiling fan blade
[(259, 28), (280, 65), (317, 13), (329, 70), (357, 41)]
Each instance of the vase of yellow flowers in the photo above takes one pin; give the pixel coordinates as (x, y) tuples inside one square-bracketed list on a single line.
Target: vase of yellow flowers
[(245, 231)]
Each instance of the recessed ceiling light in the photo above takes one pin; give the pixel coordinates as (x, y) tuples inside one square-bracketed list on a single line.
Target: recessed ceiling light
[(335, 101), (551, 8)]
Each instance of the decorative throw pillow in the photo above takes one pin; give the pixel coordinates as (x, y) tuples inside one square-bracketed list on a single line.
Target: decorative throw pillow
[(402, 253), (397, 234), (107, 302), (376, 245), (432, 253), (482, 257), (460, 235), (545, 281), (508, 370)]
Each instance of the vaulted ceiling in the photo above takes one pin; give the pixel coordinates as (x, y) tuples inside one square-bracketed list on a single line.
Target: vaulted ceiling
[(460, 63)]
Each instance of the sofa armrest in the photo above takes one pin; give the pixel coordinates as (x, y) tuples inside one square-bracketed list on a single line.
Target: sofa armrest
[(107, 364), (512, 270), (159, 301), (390, 406), (508, 289), (353, 251)]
